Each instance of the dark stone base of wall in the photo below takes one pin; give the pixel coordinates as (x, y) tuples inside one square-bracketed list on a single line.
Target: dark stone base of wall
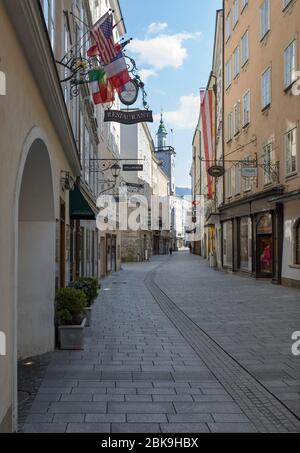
[(290, 283), (6, 423)]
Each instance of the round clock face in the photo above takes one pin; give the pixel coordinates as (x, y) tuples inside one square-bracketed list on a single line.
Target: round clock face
[(130, 93)]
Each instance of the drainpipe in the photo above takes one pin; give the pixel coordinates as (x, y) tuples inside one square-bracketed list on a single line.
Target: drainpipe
[(223, 117)]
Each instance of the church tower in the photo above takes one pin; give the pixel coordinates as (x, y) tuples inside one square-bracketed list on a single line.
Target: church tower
[(162, 134), (166, 154)]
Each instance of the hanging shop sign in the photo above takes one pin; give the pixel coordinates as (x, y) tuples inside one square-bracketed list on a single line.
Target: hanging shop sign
[(133, 167), (249, 172), (128, 117), (216, 171)]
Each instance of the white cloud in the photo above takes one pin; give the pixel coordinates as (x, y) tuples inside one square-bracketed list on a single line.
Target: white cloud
[(186, 116), (146, 73), (163, 50), (157, 27)]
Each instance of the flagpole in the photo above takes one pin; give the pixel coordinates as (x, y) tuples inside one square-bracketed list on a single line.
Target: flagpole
[(86, 25)]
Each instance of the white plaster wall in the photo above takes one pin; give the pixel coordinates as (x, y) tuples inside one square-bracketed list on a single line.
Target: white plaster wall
[(36, 301), (291, 214)]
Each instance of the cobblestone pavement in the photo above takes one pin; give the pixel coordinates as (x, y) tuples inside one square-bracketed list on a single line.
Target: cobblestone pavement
[(146, 367)]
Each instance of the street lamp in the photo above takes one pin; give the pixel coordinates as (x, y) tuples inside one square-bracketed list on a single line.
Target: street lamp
[(115, 169)]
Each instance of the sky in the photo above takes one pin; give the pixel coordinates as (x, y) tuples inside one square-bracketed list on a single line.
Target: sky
[(173, 45)]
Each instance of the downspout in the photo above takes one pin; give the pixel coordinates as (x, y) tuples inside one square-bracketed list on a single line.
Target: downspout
[(223, 98)]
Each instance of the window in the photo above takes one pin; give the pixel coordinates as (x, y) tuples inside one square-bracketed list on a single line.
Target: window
[(265, 18), (237, 118), (229, 126), (268, 160), (245, 48), (86, 155), (246, 109), (228, 74), (247, 181), (235, 12), (228, 26), (229, 183), (297, 242), (48, 7), (244, 4), (237, 178), (81, 139), (236, 62), (290, 65), (291, 152), (266, 89)]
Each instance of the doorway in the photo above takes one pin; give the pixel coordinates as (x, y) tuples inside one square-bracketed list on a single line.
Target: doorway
[(114, 253), (264, 242)]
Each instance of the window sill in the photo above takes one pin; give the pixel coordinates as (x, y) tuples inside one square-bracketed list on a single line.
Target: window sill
[(244, 8), (246, 126), (245, 64), (265, 36), (291, 176), (266, 108), (289, 5), (288, 88), (268, 184), (294, 266)]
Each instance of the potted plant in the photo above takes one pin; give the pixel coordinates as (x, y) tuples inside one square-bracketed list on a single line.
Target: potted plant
[(70, 308), (89, 285)]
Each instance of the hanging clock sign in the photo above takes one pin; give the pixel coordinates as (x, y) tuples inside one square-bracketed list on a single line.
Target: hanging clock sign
[(216, 171), (130, 93)]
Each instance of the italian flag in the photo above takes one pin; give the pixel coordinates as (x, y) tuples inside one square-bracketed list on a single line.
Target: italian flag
[(117, 72), (102, 91)]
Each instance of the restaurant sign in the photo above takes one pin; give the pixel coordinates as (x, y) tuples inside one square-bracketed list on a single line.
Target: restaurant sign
[(128, 117)]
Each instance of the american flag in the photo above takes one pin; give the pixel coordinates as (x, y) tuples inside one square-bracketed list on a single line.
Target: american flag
[(102, 33)]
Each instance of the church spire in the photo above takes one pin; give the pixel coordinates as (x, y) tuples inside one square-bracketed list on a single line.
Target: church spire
[(162, 128), (162, 133)]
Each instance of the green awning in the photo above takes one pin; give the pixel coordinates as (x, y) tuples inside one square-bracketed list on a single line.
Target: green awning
[(80, 208)]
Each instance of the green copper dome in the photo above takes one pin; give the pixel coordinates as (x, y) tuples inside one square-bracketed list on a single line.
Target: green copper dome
[(162, 128)]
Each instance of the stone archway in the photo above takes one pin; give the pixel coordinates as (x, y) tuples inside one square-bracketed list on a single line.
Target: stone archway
[(36, 255)]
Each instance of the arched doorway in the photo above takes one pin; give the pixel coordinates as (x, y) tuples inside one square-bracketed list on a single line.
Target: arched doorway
[(36, 255), (265, 250)]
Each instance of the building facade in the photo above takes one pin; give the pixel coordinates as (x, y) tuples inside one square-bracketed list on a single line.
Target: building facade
[(49, 135), (137, 144), (260, 215)]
